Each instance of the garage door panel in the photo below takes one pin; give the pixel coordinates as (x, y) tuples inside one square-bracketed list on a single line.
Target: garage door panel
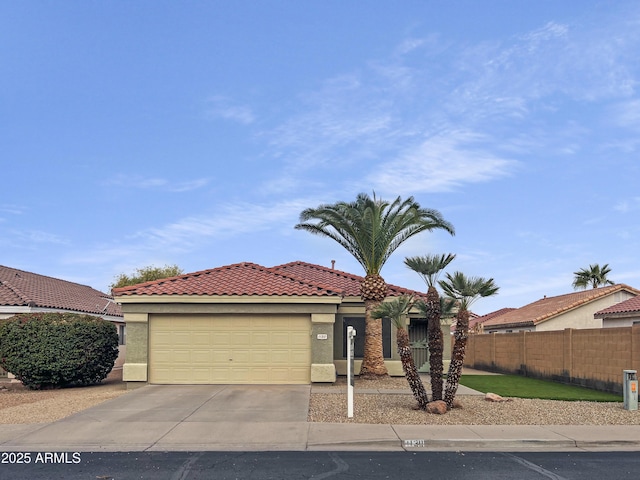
[(229, 349), (201, 375), (202, 357), (260, 339), (181, 356), (220, 356), (221, 339), (241, 338), (201, 338), (181, 338), (260, 357), (281, 356)]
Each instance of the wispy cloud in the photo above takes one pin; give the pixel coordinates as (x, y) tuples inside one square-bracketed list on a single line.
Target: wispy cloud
[(222, 107), (230, 220), (11, 209), (30, 239), (439, 118), (627, 114), (233, 220), (440, 164), (628, 205), (156, 183)]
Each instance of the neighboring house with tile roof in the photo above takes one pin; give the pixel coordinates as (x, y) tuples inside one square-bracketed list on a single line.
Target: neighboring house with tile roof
[(623, 314), (572, 310), (26, 292), (476, 325), (245, 323)]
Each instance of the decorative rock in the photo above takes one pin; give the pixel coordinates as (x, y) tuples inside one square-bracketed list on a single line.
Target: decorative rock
[(438, 407), (492, 397)]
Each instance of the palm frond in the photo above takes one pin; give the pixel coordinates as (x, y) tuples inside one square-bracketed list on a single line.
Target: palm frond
[(594, 276), (467, 290), (395, 309), (429, 267), (369, 228)]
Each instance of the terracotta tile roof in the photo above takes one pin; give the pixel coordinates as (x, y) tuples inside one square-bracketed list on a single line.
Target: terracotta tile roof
[(632, 305), (549, 307), (25, 289), (242, 279), (347, 282), (478, 320)]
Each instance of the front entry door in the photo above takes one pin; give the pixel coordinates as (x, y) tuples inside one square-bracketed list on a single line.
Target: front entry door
[(419, 345)]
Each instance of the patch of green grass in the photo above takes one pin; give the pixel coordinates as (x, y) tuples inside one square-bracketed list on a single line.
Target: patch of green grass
[(524, 387)]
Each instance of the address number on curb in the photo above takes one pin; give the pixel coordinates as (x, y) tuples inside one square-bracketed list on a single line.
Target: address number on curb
[(413, 443)]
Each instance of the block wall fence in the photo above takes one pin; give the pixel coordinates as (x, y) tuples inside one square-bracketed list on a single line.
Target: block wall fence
[(593, 358)]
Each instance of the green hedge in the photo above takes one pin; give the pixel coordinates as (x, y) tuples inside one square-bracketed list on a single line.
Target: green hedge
[(53, 350)]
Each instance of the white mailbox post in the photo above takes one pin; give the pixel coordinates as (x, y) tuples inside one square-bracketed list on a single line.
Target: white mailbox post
[(351, 333)]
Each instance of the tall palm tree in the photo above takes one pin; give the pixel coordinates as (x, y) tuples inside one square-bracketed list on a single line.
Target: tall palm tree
[(595, 276), (429, 268), (464, 290), (371, 229), (396, 310)]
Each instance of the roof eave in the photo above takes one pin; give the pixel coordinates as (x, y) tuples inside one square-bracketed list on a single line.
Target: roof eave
[(322, 299), (529, 323), (604, 316)]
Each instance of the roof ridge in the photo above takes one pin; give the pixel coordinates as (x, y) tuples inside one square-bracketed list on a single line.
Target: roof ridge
[(302, 280), (351, 276), (17, 292), (261, 268), (328, 288), (320, 267), (47, 276), (197, 273)]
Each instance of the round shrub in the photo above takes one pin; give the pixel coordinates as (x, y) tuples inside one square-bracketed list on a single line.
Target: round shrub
[(53, 350)]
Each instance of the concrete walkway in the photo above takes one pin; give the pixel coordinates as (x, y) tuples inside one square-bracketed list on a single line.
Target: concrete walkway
[(255, 418)]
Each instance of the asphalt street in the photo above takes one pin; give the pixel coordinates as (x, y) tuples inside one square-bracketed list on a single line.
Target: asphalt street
[(324, 465)]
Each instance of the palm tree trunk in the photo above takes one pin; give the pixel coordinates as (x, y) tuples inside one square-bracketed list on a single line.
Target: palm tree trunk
[(373, 360), (436, 343), (410, 370), (457, 357), (373, 290)]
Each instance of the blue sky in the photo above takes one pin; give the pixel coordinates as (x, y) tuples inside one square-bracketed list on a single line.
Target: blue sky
[(194, 133)]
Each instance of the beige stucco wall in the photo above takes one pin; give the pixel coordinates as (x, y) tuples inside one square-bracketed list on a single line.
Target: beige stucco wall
[(136, 361), (621, 321), (322, 366)]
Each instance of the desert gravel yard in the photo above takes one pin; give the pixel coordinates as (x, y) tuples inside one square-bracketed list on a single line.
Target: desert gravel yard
[(397, 408), (19, 405)]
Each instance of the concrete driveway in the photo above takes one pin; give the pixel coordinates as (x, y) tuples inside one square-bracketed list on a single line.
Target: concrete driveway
[(182, 417)]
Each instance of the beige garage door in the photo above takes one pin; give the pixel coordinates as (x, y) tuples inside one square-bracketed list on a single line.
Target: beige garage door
[(221, 349)]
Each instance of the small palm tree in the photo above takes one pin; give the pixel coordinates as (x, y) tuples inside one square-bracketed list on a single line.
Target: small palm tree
[(397, 310), (464, 290), (594, 276), (429, 268), (371, 229)]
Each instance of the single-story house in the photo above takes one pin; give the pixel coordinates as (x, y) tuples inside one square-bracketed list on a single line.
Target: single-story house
[(26, 292), (245, 323), (623, 314), (572, 310), (476, 325)]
